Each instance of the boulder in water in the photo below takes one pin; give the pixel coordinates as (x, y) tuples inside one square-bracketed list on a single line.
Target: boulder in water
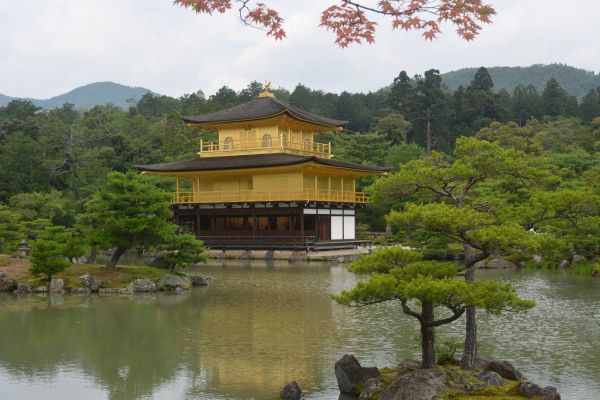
[(57, 285), (142, 285), (505, 370), (201, 280), (7, 284), (291, 391), (22, 288), (170, 282), (351, 375)]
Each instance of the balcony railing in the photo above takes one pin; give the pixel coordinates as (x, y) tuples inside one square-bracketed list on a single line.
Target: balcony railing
[(243, 196), (265, 144)]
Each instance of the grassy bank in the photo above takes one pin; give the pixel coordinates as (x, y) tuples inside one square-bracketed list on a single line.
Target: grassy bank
[(118, 277)]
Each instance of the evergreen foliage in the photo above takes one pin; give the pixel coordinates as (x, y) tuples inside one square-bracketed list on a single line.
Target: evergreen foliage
[(420, 287), (127, 212)]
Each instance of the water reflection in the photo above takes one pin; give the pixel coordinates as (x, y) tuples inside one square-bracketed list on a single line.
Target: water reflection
[(260, 326)]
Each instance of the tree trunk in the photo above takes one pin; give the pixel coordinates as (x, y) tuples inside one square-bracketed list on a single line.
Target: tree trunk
[(115, 257), (429, 131), (470, 350), (427, 335)]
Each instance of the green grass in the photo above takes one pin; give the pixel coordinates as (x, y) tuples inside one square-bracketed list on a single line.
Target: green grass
[(118, 277), (585, 268)]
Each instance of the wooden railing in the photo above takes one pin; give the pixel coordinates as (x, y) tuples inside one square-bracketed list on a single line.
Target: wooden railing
[(242, 196), (270, 144)]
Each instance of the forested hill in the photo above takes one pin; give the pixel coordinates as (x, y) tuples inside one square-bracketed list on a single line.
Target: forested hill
[(577, 82), (91, 95)]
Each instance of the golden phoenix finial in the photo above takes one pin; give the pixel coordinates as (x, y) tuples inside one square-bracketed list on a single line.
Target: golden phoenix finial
[(267, 92)]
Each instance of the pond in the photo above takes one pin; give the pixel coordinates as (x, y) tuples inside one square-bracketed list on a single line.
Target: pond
[(260, 326)]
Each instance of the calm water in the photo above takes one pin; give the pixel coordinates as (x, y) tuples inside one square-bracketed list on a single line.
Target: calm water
[(258, 327)]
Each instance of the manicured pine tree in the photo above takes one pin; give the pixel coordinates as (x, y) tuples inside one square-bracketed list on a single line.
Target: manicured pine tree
[(421, 287)]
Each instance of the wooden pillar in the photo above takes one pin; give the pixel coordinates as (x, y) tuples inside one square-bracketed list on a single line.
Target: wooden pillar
[(342, 186), (177, 189), (254, 221), (329, 189), (316, 187), (198, 222), (197, 191)]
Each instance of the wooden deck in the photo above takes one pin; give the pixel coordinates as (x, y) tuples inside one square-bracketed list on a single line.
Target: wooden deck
[(308, 243)]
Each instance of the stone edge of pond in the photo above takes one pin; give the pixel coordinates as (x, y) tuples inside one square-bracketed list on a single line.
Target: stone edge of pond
[(169, 283)]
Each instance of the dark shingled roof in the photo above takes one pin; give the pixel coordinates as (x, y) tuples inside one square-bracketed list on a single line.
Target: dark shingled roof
[(261, 108), (251, 161)]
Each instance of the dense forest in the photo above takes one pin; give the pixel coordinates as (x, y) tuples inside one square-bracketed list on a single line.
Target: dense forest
[(52, 161)]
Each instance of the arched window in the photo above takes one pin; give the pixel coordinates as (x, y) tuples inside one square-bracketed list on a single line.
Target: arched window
[(228, 143), (267, 141)]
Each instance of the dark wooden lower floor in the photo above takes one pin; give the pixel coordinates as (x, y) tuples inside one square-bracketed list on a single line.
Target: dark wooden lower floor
[(287, 226)]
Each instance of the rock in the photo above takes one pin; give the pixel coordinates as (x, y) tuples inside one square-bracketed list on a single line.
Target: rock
[(481, 363), (170, 281), (499, 263), (595, 273), (291, 391), (89, 282), (351, 375), (491, 378), (57, 285), (142, 285), (549, 393), (40, 289), (505, 370), (178, 290), (480, 265), (537, 259), (529, 389), (201, 280), (417, 384), (2, 276), (578, 258), (8, 285), (22, 288), (371, 389), (564, 264)]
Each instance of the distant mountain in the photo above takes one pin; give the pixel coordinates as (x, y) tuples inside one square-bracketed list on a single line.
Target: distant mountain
[(576, 81), (4, 100), (90, 95)]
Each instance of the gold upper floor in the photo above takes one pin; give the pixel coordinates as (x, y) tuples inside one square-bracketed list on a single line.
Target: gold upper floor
[(273, 135)]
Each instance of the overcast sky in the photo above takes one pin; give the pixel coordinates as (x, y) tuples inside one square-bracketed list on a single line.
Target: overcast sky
[(48, 47)]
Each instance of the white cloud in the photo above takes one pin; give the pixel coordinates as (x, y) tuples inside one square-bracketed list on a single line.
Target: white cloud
[(60, 44)]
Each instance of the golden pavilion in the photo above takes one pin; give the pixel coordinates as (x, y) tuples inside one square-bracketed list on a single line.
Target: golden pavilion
[(266, 183)]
